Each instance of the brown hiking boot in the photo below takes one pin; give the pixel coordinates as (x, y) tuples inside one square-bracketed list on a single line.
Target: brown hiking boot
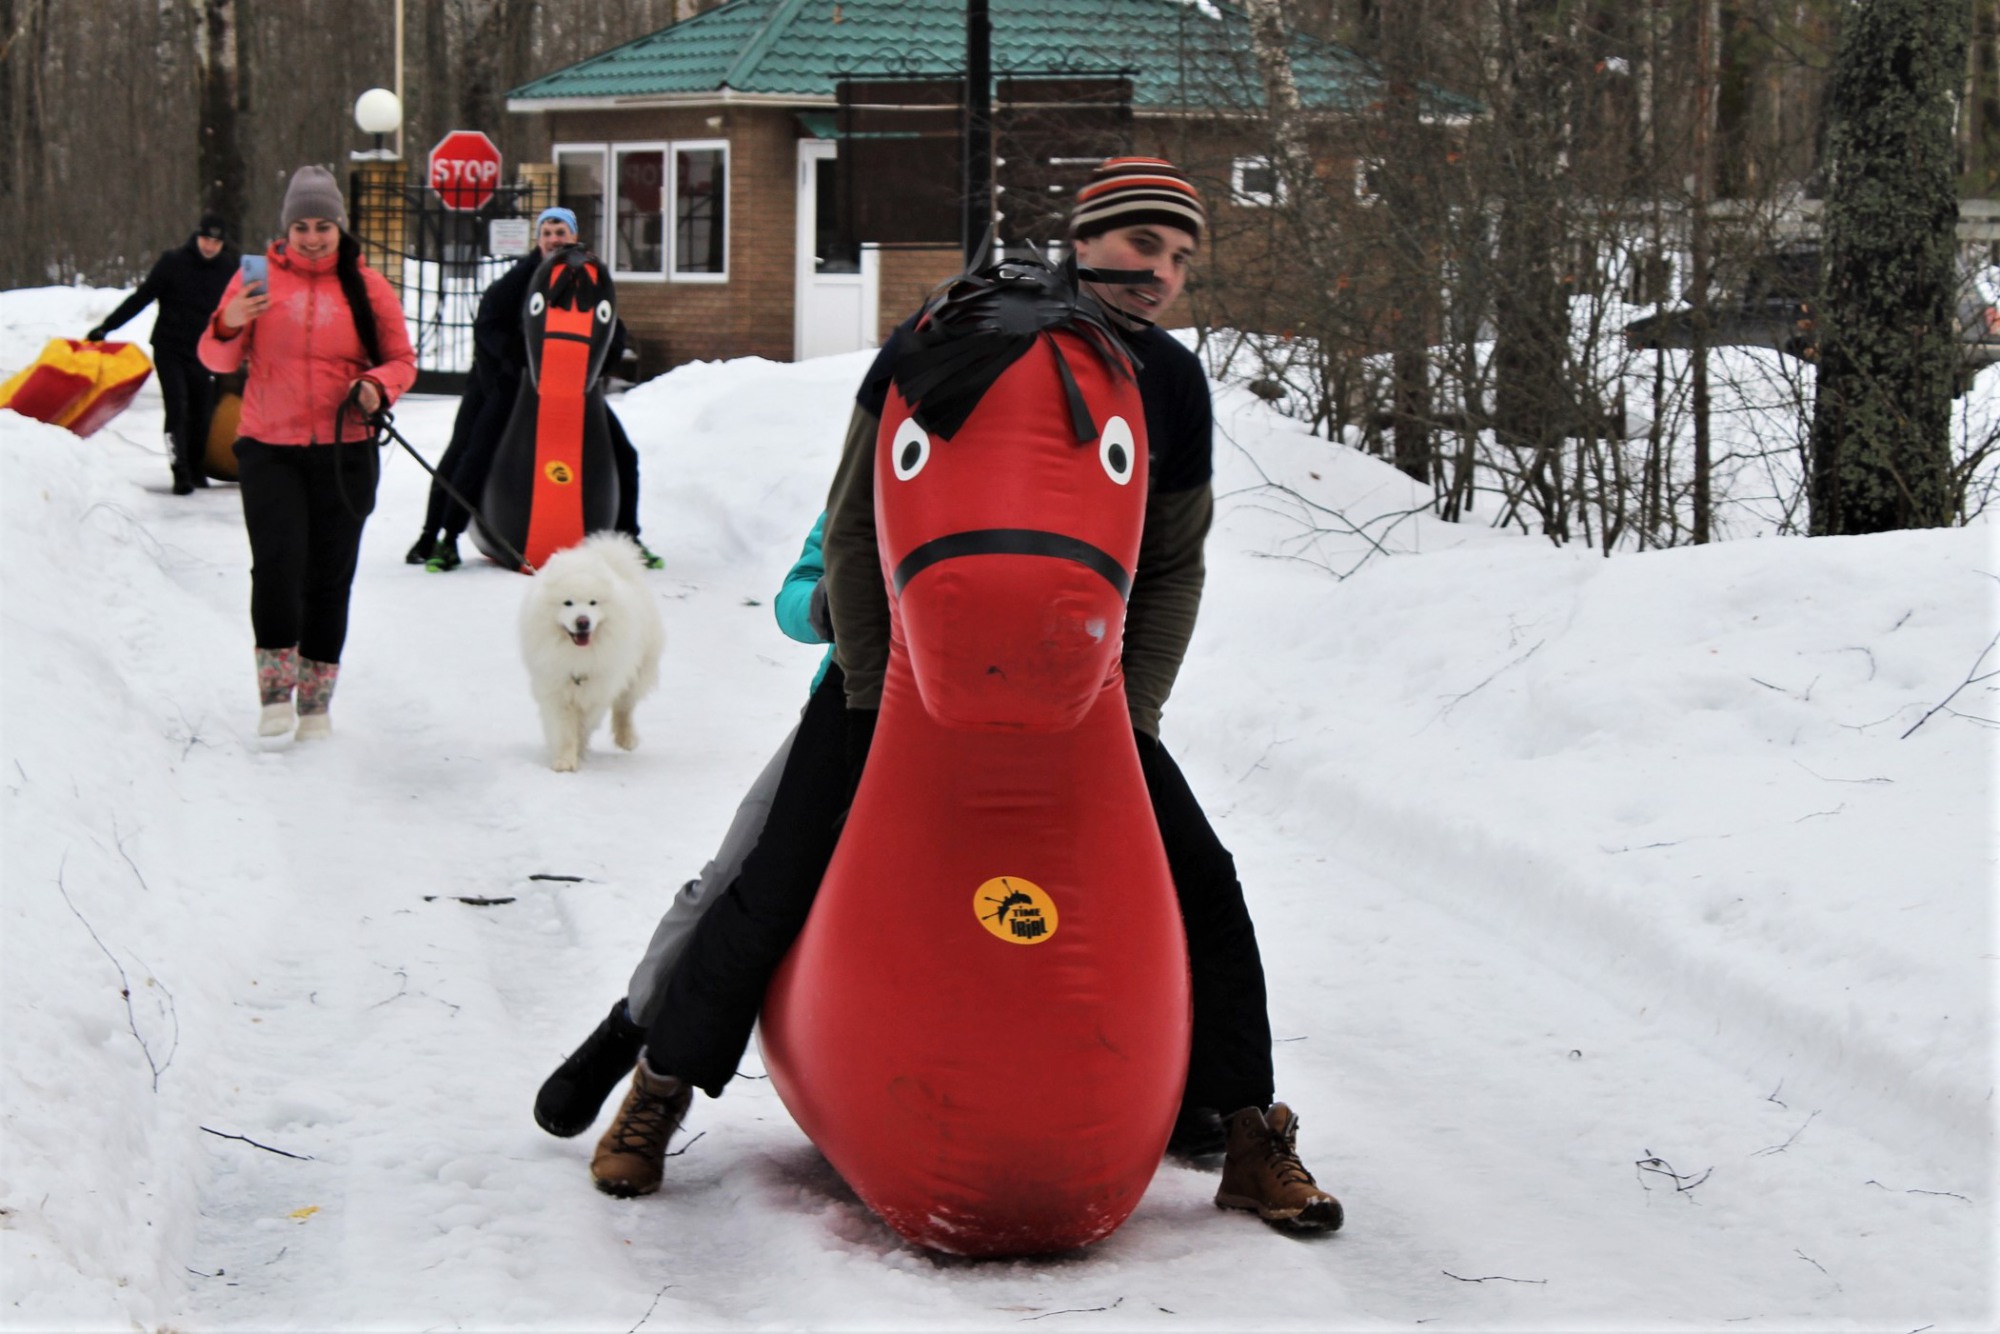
[(632, 1156), (1261, 1171)]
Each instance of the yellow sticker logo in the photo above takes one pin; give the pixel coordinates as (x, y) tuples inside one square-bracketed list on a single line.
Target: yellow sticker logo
[(1018, 911), (559, 473)]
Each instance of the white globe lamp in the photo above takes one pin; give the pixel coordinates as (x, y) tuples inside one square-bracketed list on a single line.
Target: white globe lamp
[(378, 112)]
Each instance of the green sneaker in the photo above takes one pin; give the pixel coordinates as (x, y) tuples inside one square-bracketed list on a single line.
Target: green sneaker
[(444, 557), (646, 555)]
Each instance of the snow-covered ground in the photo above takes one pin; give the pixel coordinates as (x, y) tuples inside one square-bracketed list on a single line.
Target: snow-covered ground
[(1629, 922)]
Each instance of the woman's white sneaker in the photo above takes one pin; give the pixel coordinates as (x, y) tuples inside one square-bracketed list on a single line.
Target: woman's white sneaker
[(276, 720)]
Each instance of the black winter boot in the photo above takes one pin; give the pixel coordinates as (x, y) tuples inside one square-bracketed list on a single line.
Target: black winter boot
[(571, 1097), (1198, 1135)]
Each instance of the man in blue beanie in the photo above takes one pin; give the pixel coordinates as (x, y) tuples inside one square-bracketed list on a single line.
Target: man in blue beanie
[(499, 360)]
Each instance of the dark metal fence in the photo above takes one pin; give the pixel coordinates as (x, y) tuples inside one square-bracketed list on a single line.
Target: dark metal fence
[(440, 260), (902, 141)]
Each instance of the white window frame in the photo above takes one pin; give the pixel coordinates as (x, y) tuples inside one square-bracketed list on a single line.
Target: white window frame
[(606, 245), (617, 148), (1362, 166), (1240, 167), (671, 201), (602, 150)]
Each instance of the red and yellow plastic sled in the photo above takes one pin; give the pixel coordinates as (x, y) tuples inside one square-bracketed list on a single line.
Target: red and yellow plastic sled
[(77, 384)]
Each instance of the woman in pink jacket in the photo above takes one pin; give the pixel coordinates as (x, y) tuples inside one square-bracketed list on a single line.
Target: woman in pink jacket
[(325, 345)]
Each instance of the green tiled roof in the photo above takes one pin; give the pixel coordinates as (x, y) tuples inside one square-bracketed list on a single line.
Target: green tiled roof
[(1179, 53)]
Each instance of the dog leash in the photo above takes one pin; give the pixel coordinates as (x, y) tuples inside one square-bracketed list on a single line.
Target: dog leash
[(382, 420)]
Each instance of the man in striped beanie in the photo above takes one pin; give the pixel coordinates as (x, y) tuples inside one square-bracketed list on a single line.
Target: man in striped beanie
[(1138, 213), (1135, 214)]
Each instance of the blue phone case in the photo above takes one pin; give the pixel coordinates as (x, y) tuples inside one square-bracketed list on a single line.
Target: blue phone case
[(256, 269)]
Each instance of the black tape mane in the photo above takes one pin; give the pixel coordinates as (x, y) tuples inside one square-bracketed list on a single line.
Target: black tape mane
[(572, 284), (986, 321)]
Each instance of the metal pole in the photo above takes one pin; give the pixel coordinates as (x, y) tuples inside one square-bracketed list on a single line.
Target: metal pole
[(978, 127), (400, 103)]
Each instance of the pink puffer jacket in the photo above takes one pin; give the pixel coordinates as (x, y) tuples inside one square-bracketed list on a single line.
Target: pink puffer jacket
[(303, 352)]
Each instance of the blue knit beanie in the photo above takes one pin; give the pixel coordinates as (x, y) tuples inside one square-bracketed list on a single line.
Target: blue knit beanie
[(557, 214)]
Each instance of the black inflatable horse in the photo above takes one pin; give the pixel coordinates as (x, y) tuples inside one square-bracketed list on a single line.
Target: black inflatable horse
[(554, 479)]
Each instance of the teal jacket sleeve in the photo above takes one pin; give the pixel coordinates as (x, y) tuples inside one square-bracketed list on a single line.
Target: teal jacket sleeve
[(794, 601)]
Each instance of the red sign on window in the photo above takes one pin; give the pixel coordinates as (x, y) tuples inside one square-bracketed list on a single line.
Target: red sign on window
[(464, 169), (640, 176)]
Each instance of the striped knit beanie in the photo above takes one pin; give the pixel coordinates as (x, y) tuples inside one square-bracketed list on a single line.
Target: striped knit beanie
[(1126, 191)]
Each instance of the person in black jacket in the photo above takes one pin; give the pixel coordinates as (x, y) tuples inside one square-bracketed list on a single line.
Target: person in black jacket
[(499, 360), (187, 282)]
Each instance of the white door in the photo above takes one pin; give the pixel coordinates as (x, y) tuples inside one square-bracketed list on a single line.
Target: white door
[(838, 288)]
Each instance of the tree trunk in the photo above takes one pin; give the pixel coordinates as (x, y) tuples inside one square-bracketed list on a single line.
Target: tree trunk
[(1270, 38), (1881, 438), (1405, 192), (1699, 276), (1532, 399), (224, 183)]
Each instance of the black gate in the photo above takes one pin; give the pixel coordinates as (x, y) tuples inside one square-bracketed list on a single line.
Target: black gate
[(440, 260), (902, 141)]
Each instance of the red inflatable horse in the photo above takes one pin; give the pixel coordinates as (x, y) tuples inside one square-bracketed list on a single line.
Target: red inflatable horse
[(984, 1025), (554, 479)]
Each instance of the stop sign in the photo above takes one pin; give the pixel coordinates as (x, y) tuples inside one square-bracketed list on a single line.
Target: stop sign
[(464, 169)]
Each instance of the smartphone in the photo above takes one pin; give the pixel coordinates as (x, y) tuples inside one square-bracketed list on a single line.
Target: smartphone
[(256, 270)]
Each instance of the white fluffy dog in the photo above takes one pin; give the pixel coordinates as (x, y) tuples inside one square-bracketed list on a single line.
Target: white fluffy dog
[(591, 637)]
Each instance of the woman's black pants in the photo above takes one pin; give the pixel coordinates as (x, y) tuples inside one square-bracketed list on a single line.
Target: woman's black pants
[(304, 507)]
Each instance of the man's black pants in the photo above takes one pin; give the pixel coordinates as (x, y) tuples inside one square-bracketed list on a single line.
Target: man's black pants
[(704, 1017), (475, 439), (188, 390)]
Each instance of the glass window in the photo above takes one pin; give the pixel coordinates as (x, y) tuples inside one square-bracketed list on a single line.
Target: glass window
[(640, 222), (830, 253), (701, 197), (580, 189), (1254, 182), (1368, 179)]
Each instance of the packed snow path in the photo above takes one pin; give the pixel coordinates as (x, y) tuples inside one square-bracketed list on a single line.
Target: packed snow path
[(1615, 988)]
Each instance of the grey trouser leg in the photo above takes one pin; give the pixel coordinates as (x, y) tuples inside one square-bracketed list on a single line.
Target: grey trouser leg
[(670, 937)]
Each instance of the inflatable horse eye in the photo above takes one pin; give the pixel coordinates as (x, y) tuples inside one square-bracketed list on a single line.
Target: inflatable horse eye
[(536, 305), (1114, 450), (911, 449), (604, 312)]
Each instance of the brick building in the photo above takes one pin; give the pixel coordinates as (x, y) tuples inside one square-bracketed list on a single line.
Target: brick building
[(703, 160)]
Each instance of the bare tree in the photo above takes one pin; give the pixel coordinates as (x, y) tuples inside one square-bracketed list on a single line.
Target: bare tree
[(1887, 355), (120, 123), (224, 174)]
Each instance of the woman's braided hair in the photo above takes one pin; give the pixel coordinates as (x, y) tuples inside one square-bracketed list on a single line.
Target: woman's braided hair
[(355, 289)]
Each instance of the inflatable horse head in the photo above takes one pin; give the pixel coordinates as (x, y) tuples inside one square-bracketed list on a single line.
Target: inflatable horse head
[(570, 302), (984, 1025), (1010, 491), (554, 479)]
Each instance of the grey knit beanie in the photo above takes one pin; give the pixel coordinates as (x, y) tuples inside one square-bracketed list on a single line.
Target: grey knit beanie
[(313, 193)]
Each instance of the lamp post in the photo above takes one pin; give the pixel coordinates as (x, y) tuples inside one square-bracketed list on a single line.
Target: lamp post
[(978, 182), (375, 194)]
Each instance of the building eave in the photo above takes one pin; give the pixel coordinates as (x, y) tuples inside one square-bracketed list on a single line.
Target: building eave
[(716, 97)]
